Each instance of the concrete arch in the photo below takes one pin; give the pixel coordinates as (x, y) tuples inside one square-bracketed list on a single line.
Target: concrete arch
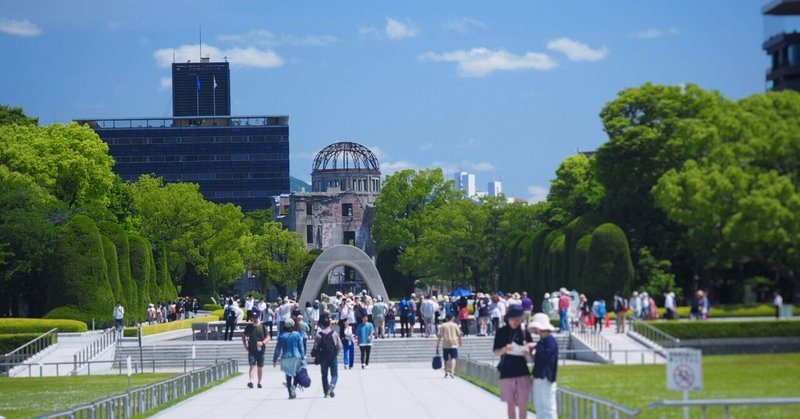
[(341, 255)]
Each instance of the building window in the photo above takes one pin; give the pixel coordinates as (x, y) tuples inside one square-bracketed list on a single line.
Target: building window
[(309, 208), (349, 238), (310, 234), (347, 210)]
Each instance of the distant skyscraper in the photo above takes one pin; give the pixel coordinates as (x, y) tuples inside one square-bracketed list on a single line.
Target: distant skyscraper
[(495, 188), (466, 182), (783, 43), (201, 89)]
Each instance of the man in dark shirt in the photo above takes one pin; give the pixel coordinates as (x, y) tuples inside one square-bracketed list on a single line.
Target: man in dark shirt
[(513, 344), (255, 339), (527, 307), (545, 367)]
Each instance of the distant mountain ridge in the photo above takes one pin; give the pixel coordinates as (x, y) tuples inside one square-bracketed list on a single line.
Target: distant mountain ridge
[(297, 185)]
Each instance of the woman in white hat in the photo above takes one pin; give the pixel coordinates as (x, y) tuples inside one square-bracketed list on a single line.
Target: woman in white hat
[(545, 367)]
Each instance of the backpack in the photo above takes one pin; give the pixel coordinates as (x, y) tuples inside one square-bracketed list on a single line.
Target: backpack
[(403, 307), (230, 315), (302, 378)]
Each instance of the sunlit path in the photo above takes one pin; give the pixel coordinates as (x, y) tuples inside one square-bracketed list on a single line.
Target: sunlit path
[(385, 391)]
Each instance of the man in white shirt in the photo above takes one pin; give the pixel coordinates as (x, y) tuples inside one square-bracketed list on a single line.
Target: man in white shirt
[(248, 305), (778, 302), (119, 315)]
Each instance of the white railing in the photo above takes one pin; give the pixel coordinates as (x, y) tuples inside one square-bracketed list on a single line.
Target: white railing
[(596, 341), (23, 353), (653, 334), (88, 352), (724, 403), (571, 403), (143, 399), (103, 367)]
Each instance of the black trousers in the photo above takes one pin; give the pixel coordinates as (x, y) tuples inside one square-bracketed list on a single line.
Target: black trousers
[(365, 350), (404, 326), (229, 331)]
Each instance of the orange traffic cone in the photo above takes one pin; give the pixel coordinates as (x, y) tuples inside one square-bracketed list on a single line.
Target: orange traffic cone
[(608, 321)]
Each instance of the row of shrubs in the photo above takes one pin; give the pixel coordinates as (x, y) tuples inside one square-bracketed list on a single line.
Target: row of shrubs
[(212, 307), (39, 326), (10, 342), (716, 330), (168, 327)]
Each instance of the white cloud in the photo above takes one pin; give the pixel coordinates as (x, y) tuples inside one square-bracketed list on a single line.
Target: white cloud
[(166, 83), (19, 27), (396, 30), (266, 38), (425, 147), (464, 25), (388, 168), (480, 62), (577, 51), (368, 31), (537, 194), (467, 166), (652, 33), (238, 57), (378, 152)]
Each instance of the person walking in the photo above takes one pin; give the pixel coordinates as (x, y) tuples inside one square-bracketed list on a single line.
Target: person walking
[(379, 310), (449, 338), (513, 345), (563, 310), (428, 310), (412, 315), (230, 319), (348, 344), (290, 351), (327, 345), (777, 301), (255, 339), (403, 309), (545, 368), (620, 308), (669, 305), (463, 317), (365, 333), (119, 318), (391, 318), (599, 313), (583, 310), (636, 305), (527, 307)]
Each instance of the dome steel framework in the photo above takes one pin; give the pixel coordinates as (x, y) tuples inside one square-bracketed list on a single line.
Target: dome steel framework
[(346, 156)]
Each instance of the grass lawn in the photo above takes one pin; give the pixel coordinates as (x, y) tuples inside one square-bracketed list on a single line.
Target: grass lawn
[(29, 397), (730, 376)]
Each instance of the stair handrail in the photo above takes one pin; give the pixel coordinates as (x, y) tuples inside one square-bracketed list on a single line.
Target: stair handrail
[(596, 341), (653, 334), (20, 355), (88, 352)]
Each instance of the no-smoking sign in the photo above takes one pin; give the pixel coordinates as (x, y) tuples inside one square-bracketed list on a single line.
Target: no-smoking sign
[(684, 369)]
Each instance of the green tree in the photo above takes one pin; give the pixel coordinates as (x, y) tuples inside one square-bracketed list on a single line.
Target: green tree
[(69, 161), (402, 215), (574, 191), (28, 234), (10, 116), (277, 255)]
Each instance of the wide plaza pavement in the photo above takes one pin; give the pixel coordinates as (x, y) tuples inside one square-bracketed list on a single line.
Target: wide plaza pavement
[(383, 391)]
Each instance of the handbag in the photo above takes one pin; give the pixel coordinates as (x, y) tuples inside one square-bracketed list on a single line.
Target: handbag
[(436, 363), (302, 378)]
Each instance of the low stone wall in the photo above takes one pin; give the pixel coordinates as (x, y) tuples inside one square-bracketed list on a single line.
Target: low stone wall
[(736, 346)]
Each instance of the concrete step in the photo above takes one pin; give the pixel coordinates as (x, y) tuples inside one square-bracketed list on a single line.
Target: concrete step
[(383, 351)]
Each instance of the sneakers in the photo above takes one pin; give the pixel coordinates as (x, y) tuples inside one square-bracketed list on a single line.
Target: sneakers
[(259, 385), (330, 391), (249, 385), (362, 366), (292, 393)]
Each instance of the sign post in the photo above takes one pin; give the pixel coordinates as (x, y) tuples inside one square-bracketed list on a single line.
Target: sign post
[(129, 373), (685, 372)]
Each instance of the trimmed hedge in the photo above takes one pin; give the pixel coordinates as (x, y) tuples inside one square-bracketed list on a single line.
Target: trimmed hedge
[(168, 327), (11, 325), (608, 263), (81, 279), (220, 313), (716, 330), (112, 268), (10, 342), (120, 238), (212, 307)]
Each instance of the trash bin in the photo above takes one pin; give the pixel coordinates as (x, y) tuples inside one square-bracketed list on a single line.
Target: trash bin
[(787, 311)]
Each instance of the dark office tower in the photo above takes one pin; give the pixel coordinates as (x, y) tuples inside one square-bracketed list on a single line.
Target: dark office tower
[(201, 89), (782, 29), (241, 160)]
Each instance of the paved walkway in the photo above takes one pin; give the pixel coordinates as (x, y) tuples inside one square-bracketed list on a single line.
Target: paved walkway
[(385, 391)]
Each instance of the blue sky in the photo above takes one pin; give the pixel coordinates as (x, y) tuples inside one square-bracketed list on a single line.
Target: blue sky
[(505, 90)]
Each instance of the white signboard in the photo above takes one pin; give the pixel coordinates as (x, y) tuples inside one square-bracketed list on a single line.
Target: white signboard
[(685, 369)]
